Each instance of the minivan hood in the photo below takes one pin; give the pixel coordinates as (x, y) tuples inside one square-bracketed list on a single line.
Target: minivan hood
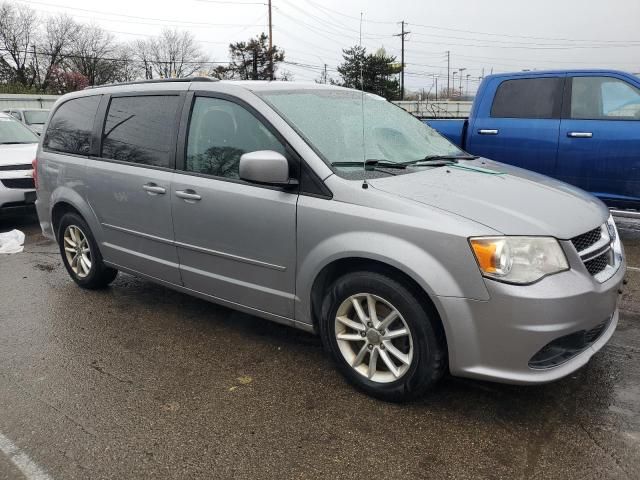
[(20, 154), (516, 202)]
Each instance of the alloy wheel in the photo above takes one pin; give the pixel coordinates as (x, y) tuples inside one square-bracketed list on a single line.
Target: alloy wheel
[(374, 338), (77, 251)]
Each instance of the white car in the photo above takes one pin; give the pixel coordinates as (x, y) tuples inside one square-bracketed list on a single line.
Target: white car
[(34, 118), (18, 147)]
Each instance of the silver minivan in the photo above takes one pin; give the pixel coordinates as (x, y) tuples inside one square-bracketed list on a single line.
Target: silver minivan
[(335, 212)]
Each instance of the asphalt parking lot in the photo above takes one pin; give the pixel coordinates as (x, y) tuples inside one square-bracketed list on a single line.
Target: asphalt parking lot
[(138, 381)]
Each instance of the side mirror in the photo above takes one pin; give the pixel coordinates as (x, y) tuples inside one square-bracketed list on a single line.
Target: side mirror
[(264, 166)]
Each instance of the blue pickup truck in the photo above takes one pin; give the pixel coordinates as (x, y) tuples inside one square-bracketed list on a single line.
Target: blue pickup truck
[(582, 127)]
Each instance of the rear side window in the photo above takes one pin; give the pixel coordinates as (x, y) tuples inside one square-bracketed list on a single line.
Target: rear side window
[(141, 130), (70, 128), (528, 98)]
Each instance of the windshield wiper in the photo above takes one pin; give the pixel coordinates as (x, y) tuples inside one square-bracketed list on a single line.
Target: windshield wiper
[(371, 164), (440, 160), (15, 143)]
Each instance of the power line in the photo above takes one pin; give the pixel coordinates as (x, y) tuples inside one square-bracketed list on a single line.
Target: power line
[(229, 2), (100, 12), (475, 32)]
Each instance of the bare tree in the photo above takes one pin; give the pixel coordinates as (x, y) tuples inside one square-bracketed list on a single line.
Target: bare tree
[(18, 24), (141, 50), (128, 66), (95, 55), (173, 53), (60, 35)]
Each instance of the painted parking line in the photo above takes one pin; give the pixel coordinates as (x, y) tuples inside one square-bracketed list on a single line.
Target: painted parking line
[(633, 269), (21, 460)]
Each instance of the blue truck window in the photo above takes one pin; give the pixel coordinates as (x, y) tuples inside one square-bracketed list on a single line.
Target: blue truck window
[(604, 98), (528, 98)]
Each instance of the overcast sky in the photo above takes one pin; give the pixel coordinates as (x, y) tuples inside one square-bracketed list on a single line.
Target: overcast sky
[(503, 35)]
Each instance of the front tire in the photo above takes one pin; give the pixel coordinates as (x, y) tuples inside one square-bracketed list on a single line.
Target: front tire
[(80, 254), (383, 339)]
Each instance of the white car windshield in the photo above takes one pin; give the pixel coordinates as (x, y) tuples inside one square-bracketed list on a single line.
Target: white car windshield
[(36, 117), (14, 132), (331, 120)]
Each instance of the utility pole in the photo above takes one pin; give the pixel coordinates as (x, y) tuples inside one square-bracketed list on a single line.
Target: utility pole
[(436, 89), (468, 75), (402, 35), (325, 74), (270, 44), (448, 72)]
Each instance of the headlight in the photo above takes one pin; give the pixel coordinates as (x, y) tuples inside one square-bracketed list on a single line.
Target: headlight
[(611, 227), (518, 259)]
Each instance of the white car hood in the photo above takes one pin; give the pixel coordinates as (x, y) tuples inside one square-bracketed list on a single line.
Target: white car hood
[(21, 154)]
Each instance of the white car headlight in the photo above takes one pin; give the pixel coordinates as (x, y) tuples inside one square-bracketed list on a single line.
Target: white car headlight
[(519, 260)]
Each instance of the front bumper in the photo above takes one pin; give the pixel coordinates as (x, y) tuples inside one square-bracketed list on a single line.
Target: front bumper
[(15, 201), (496, 339)]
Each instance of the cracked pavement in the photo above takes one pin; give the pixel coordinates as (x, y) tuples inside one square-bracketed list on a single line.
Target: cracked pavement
[(139, 381)]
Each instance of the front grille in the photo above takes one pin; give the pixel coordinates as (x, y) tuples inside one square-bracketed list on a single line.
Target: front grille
[(584, 241), (18, 182), (598, 264), (8, 168), (594, 249)]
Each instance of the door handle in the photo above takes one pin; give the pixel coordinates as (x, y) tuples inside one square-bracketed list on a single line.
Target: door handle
[(489, 131), (154, 189), (580, 134), (188, 195)]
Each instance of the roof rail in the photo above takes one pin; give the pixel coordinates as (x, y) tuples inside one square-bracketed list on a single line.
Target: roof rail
[(156, 80)]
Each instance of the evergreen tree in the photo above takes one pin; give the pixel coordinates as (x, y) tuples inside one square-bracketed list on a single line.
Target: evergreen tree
[(250, 60), (379, 72)]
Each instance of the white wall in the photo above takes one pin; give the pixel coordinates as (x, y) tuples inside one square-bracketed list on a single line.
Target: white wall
[(8, 100), (439, 109)]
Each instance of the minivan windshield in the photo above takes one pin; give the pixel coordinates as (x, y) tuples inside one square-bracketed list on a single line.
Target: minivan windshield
[(35, 117), (331, 120), (14, 132)]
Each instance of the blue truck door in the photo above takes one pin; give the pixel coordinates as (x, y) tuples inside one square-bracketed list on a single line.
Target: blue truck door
[(599, 148), (519, 125)]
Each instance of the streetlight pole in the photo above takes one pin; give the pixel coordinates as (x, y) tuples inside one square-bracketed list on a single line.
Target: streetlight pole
[(461, 71), (453, 76), (468, 75)]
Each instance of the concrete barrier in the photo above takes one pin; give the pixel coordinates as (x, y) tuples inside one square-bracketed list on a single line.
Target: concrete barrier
[(439, 109), (10, 100)]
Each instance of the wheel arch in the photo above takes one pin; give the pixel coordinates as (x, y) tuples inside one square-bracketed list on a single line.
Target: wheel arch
[(341, 266), (64, 200)]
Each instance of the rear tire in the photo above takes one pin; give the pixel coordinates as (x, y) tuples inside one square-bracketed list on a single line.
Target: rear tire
[(80, 254), (395, 355)]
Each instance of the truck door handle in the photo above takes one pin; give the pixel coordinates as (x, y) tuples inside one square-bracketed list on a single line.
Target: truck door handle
[(484, 131), (188, 195), (580, 134), (154, 189)]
